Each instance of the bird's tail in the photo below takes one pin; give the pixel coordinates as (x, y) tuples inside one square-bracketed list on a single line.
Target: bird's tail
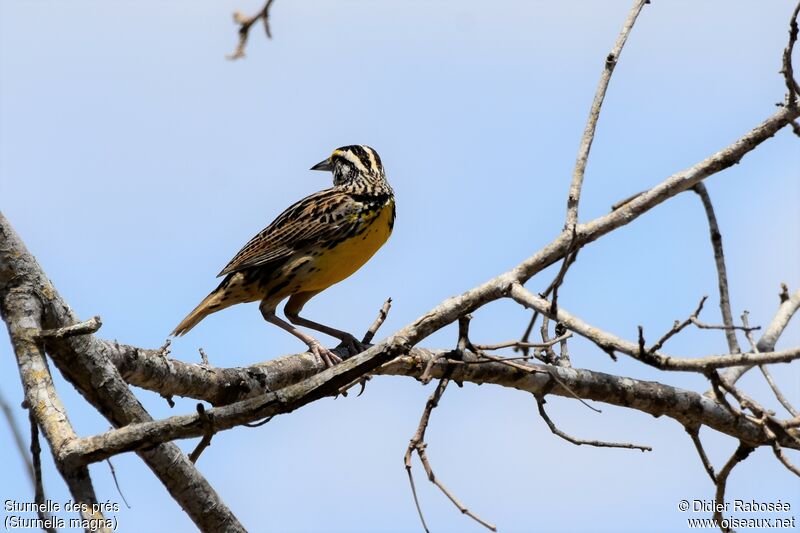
[(212, 303)]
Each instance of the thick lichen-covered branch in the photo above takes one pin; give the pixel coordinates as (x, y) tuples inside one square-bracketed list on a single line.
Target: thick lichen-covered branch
[(30, 304), (687, 407)]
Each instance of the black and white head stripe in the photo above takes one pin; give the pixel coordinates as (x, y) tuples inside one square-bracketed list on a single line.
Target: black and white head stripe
[(363, 158)]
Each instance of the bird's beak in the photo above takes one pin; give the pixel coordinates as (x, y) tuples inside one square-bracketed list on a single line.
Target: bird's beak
[(323, 165)]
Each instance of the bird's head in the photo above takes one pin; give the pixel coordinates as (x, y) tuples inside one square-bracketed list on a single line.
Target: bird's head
[(353, 164)]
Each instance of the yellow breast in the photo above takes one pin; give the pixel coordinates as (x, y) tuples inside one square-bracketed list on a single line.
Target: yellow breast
[(327, 266)]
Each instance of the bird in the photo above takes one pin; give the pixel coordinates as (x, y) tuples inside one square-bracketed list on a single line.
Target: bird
[(315, 243)]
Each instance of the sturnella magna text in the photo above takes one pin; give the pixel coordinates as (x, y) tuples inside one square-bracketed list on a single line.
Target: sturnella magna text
[(317, 242)]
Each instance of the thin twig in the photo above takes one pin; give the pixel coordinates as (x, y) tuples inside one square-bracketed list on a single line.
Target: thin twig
[(164, 351), (778, 394), (18, 439), (788, 307), (534, 370), (527, 333), (495, 359), (677, 327), (718, 388), (82, 328), (787, 71), (462, 346), (116, 483), (36, 463), (540, 401), (694, 433), (563, 350), (244, 28), (610, 343), (722, 273), (417, 444), (594, 113), (520, 344), (509, 361), (778, 451), (548, 355), (207, 420), (702, 325), (569, 258), (464, 343), (427, 374), (746, 402), (627, 200), (414, 493), (738, 456), (382, 314)]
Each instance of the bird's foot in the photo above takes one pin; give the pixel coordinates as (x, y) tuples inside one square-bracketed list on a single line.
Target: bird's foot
[(353, 345), (328, 357)]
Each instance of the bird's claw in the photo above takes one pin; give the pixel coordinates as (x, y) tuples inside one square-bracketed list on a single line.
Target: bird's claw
[(328, 357), (353, 345)]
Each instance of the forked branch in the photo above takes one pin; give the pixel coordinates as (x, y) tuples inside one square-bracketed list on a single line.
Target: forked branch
[(245, 23), (741, 453), (417, 444)]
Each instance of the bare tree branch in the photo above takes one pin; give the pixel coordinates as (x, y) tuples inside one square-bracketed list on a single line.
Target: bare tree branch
[(778, 394), (773, 331), (448, 311), (38, 320), (594, 114), (776, 448), (417, 444), (373, 329), (609, 342), (688, 408), (520, 344), (22, 317), (245, 23), (722, 274), (36, 463), (116, 482), (771, 382), (540, 401), (636, 205), (18, 440), (694, 433), (208, 427), (787, 70), (676, 328), (741, 453), (26, 295), (81, 328)]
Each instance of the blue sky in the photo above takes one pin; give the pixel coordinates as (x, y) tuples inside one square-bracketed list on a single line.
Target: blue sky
[(135, 161)]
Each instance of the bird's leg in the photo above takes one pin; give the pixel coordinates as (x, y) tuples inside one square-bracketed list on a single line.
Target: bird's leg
[(327, 356), (352, 344), (292, 310)]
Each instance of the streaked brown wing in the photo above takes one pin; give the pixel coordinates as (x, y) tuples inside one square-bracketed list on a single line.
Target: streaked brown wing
[(319, 218)]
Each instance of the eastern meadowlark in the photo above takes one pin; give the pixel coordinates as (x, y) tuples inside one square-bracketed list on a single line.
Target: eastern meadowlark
[(318, 241)]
